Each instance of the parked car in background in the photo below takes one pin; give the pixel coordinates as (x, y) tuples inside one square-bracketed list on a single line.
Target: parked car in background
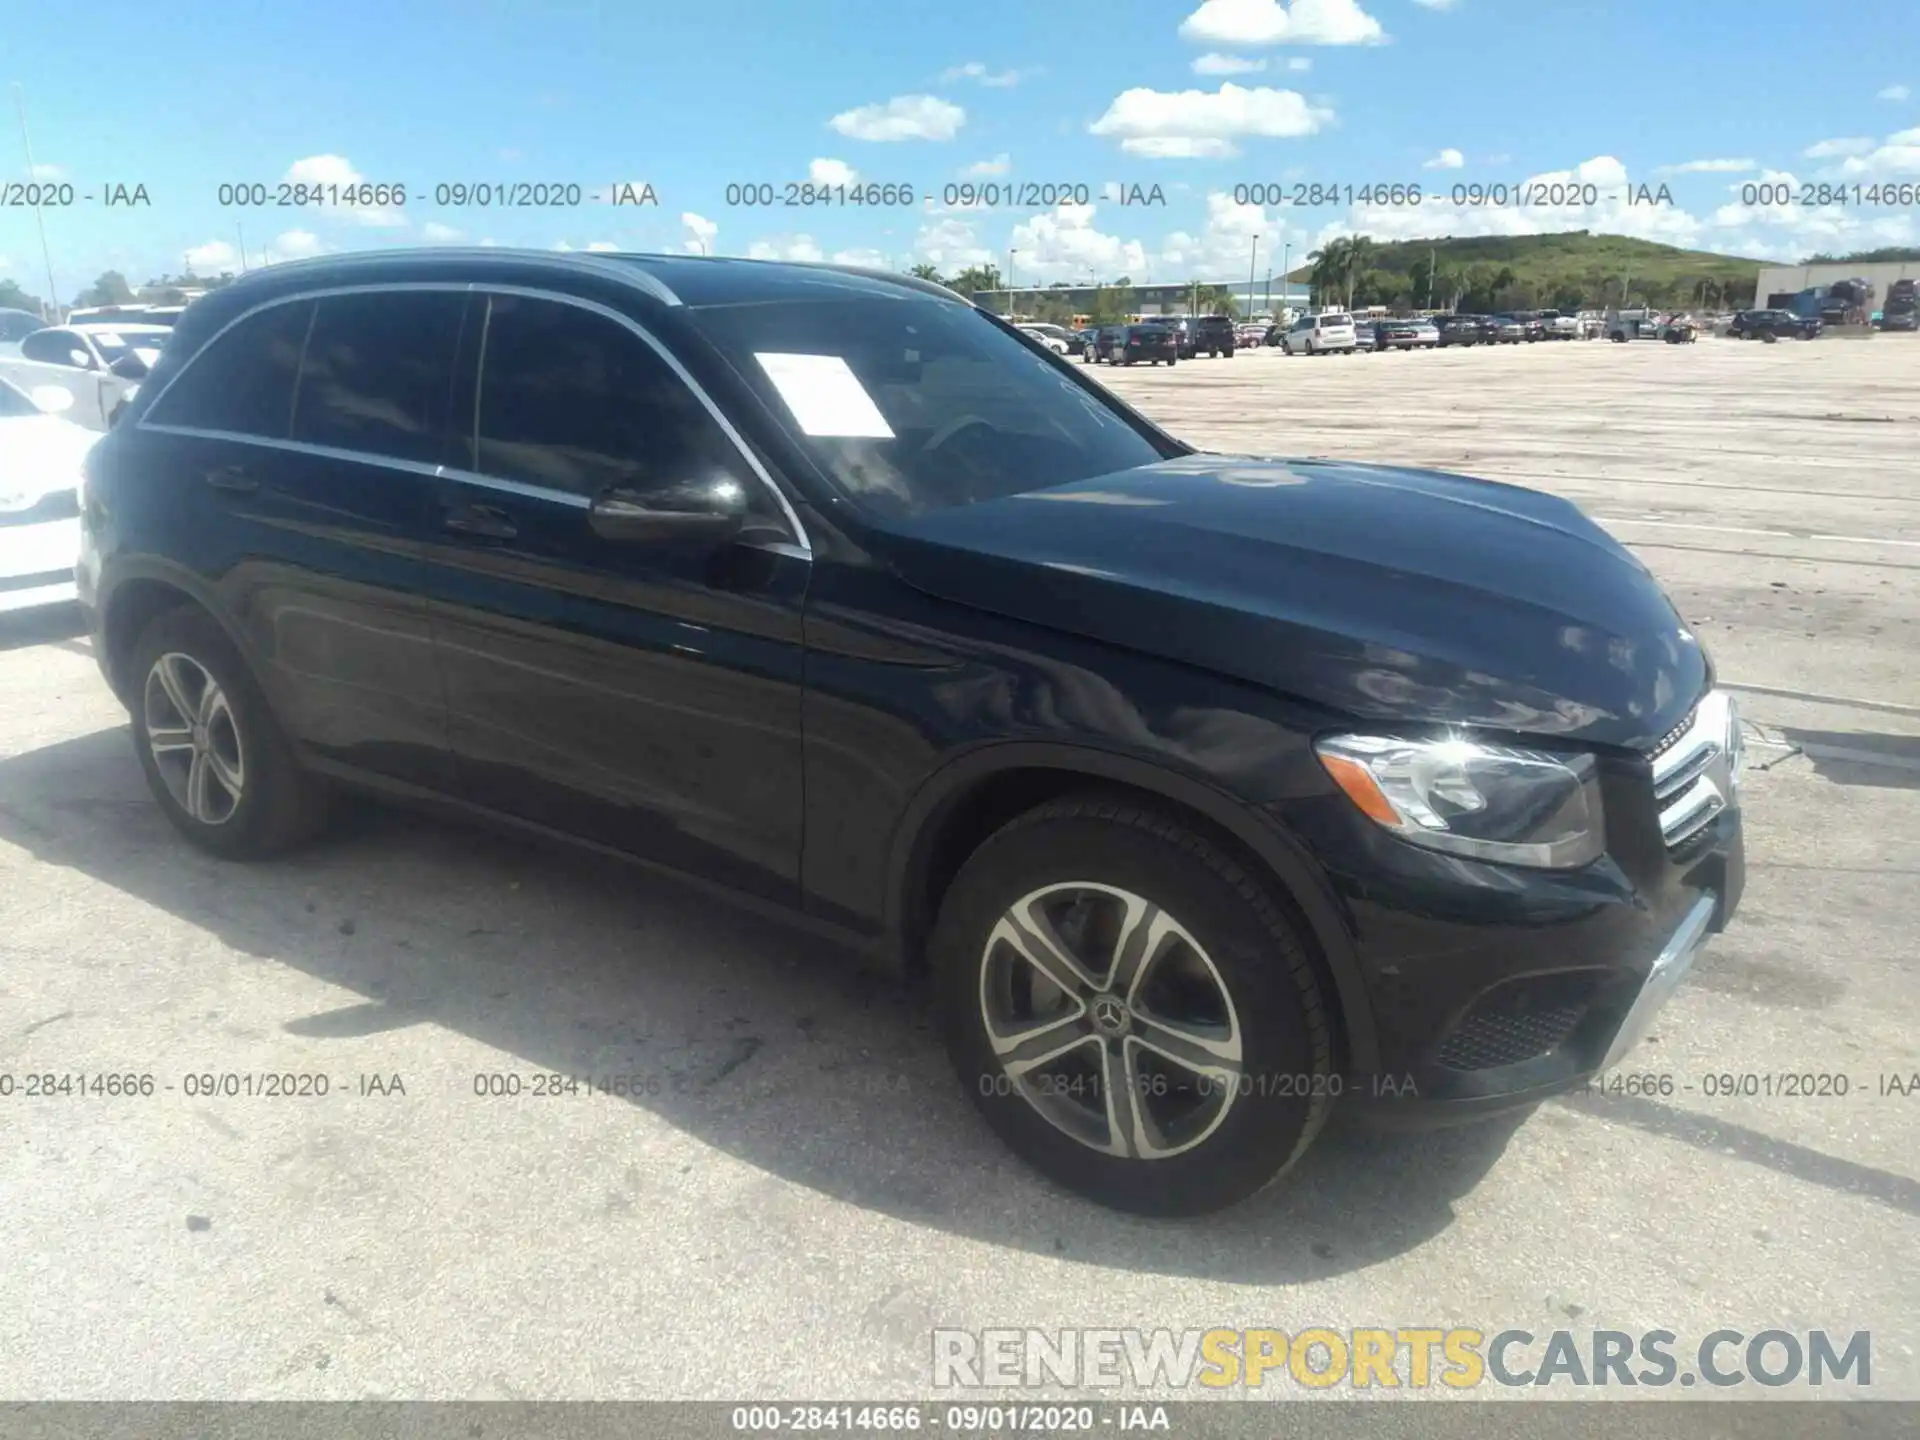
[(1398, 335), (15, 326), (1083, 340), (1328, 334), (1052, 337), (1099, 341), (1773, 325), (1130, 344), (1503, 329), (1459, 330), (1426, 335), (40, 460), (1558, 325), (1203, 790), (1211, 335), (1366, 337), (1248, 335), (96, 365)]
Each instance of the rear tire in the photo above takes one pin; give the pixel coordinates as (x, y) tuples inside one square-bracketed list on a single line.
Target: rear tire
[(1224, 980), (214, 755)]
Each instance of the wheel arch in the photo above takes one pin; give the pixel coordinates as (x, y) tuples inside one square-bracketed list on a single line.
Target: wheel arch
[(975, 794), (139, 595)]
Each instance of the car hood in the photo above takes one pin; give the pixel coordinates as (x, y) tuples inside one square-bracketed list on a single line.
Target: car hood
[(1398, 595)]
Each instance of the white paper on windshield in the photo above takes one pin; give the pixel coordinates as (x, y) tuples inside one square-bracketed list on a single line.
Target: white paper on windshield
[(825, 396)]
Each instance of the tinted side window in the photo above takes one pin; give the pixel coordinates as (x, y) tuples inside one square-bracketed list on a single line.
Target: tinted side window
[(54, 347), (377, 373), (18, 327), (243, 381), (570, 400)]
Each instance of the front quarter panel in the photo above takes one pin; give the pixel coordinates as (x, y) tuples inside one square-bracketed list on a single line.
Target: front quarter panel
[(911, 699)]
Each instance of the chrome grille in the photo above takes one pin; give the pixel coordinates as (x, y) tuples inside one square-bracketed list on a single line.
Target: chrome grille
[(1695, 772)]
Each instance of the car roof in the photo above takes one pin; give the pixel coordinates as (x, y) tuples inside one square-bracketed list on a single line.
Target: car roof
[(693, 281)]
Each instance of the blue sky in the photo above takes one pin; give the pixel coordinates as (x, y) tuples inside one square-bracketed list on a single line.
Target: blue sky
[(1194, 97)]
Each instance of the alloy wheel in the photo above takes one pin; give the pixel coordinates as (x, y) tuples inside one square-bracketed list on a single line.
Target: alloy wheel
[(1110, 1019), (194, 738)]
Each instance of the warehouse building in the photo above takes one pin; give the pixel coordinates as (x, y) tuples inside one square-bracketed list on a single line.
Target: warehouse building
[(1777, 281)]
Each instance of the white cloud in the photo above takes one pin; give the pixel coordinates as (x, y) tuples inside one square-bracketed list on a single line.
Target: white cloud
[(871, 259), (1270, 22), (952, 245), (1895, 92), (323, 170), (831, 172), (1846, 145), (1437, 4), (787, 247), (293, 245), (974, 70), (1709, 167), (1898, 154), (49, 172), (983, 169), (1300, 64), (1064, 244), (602, 245), (1447, 159), (700, 233), (212, 258), (440, 234), (1183, 124), (1215, 64), (337, 170), (1179, 147), (905, 117)]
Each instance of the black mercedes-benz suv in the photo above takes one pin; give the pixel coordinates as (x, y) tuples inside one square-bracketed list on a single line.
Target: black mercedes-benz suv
[(1206, 790)]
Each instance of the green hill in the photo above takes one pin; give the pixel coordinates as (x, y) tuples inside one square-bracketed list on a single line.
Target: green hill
[(1573, 270)]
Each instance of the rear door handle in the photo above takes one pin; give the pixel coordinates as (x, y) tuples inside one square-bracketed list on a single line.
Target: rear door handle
[(488, 521), (231, 477)]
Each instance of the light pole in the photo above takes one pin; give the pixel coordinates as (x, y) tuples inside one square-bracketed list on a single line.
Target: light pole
[(1252, 260), (1286, 269), (39, 212), (1011, 252)]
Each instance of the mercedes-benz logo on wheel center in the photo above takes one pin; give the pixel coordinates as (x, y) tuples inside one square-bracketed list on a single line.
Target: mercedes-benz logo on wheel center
[(1111, 1015)]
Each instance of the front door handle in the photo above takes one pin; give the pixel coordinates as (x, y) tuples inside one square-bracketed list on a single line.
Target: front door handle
[(231, 477), (488, 521)]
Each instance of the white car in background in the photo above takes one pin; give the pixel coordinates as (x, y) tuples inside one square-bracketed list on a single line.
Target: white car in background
[(98, 367), (40, 459), (1328, 334), (1056, 339)]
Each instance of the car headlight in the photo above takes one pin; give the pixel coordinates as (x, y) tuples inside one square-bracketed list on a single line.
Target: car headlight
[(1491, 802)]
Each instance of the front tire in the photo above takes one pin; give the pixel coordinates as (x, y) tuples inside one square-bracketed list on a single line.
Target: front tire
[(1096, 939), (214, 756)]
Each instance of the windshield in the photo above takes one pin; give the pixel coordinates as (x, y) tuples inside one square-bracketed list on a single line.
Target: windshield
[(911, 405), (14, 404)]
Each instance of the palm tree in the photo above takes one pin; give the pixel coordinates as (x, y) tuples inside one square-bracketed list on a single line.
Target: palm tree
[(1357, 261), (928, 272), (1329, 273)]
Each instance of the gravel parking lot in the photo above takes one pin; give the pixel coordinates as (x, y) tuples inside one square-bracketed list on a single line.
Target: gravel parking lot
[(809, 1195)]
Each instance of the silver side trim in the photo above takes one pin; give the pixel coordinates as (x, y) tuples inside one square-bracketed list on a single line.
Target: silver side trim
[(1669, 968), (801, 542), (301, 447)]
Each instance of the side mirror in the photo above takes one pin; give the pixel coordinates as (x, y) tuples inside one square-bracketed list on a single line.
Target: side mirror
[(79, 359), (698, 512), (129, 367)]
